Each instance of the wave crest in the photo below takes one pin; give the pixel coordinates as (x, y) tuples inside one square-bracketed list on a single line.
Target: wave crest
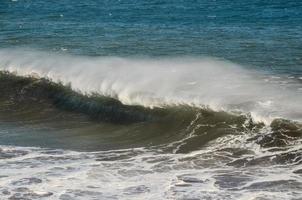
[(198, 82)]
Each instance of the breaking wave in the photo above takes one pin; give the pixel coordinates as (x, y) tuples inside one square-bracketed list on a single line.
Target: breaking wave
[(181, 102), (197, 82)]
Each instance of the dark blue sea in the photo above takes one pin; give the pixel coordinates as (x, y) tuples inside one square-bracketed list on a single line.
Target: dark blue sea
[(137, 99)]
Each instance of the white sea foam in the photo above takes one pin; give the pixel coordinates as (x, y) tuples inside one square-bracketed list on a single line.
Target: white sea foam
[(143, 174), (206, 82)]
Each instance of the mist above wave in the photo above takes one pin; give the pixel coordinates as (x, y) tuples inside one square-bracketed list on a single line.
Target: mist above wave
[(202, 82)]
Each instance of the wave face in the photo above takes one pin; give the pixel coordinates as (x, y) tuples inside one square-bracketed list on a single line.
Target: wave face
[(203, 128)]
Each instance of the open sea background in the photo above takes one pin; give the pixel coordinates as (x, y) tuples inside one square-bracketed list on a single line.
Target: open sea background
[(137, 99)]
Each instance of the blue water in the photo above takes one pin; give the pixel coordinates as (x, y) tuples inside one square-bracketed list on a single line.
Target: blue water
[(265, 35)]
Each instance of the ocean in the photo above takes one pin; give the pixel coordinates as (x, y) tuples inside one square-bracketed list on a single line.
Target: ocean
[(136, 99)]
